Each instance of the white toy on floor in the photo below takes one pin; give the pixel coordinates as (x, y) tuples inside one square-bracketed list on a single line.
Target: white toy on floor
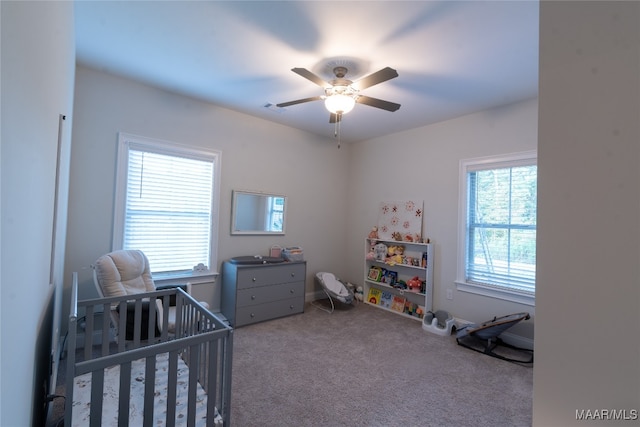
[(439, 323)]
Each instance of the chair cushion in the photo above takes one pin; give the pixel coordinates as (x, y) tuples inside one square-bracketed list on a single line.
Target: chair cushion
[(124, 272)]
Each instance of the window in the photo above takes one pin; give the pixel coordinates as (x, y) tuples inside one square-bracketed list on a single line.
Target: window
[(167, 200), (275, 216), (498, 208)]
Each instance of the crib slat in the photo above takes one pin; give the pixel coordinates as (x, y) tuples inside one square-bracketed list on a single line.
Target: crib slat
[(122, 325), (193, 384), (137, 323), (97, 386), (88, 332), (149, 390), (106, 327), (225, 377), (124, 394), (211, 363), (151, 331), (179, 318), (165, 318), (172, 386)]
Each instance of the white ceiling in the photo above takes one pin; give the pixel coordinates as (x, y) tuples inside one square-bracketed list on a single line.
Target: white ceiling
[(452, 57)]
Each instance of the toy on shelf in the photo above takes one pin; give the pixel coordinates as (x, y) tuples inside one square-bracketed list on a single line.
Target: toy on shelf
[(380, 251), (373, 234), (415, 284)]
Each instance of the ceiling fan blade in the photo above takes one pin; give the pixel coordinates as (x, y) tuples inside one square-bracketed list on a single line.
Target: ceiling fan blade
[(378, 103), (335, 118), (310, 76), (383, 75), (298, 101)]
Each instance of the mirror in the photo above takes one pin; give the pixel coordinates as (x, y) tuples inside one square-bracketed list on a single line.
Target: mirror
[(257, 213)]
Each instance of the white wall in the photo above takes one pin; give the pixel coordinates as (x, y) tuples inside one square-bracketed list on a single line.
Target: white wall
[(423, 164), (333, 193), (588, 293), (256, 155), (588, 318), (38, 63)]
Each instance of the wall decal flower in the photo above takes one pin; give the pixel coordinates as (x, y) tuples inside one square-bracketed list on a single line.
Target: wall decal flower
[(392, 218)]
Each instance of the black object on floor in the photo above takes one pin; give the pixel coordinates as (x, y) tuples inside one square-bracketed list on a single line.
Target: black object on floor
[(484, 338)]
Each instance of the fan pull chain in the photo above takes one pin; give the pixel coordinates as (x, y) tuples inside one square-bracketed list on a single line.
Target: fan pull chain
[(336, 132)]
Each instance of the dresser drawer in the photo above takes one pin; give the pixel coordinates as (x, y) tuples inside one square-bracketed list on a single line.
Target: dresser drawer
[(263, 294), (270, 310), (249, 277)]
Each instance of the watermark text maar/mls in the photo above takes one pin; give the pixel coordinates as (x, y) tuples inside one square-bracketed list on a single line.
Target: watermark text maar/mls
[(607, 414)]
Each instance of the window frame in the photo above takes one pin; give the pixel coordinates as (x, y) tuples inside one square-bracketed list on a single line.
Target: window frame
[(525, 158), (127, 141)]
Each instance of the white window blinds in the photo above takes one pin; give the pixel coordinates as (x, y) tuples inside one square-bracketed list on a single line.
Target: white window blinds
[(168, 206), (501, 227)]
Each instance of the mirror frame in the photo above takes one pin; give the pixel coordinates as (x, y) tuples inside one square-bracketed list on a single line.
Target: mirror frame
[(234, 212)]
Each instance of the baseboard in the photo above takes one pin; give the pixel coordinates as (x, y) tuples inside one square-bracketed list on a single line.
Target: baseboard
[(313, 296), (517, 340), (459, 323)]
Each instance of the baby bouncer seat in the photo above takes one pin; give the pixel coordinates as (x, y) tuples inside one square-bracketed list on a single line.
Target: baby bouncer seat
[(485, 338), (334, 288)]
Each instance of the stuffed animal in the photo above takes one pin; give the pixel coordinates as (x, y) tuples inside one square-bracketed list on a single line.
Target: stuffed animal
[(396, 236), (359, 293), (395, 250), (414, 284), (380, 251), (373, 234), (394, 259)]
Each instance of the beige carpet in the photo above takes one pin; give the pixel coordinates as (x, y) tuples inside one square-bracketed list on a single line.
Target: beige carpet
[(361, 366)]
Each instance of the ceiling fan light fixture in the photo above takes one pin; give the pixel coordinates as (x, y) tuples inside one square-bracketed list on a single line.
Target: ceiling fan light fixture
[(339, 103)]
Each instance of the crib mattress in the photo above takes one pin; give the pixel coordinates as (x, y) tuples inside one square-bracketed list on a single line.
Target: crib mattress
[(82, 396)]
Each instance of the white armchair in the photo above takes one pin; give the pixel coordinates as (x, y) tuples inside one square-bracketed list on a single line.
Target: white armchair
[(127, 272)]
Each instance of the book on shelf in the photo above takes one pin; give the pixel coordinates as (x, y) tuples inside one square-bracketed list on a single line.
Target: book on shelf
[(389, 277), (385, 299), (374, 296), (375, 274), (397, 303)]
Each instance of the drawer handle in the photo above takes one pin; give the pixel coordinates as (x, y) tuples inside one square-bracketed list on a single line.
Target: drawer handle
[(253, 315), (292, 291), (291, 307), (253, 297), (293, 274), (254, 279)]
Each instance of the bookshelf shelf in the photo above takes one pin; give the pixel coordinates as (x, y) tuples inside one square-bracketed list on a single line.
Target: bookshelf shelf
[(398, 277)]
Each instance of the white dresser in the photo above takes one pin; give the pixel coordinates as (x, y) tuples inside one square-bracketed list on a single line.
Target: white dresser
[(257, 292)]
